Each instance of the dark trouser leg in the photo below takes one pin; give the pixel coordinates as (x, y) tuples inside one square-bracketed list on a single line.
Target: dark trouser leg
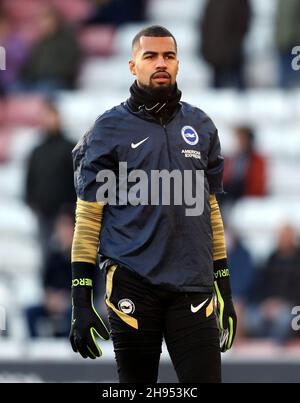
[(193, 339), (231, 76), (45, 234), (137, 356), (135, 317), (34, 315)]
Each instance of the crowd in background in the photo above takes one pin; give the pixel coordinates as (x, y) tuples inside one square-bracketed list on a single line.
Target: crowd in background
[(46, 43), (46, 46)]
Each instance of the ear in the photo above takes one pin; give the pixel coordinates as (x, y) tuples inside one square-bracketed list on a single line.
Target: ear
[(132, 67)]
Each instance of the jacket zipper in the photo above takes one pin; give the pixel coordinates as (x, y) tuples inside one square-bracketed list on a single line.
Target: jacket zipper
[(167, 139)]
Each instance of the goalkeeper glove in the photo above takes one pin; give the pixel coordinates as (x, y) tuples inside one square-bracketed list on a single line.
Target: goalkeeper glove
[(86, 322), (226, 315)]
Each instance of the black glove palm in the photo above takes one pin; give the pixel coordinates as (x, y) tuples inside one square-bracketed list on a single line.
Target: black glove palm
[(226, 315), (86, 323)]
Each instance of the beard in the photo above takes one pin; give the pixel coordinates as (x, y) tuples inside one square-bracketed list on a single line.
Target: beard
[(159, 93)]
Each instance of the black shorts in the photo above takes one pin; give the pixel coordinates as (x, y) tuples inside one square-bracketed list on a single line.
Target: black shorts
[(141, 315)]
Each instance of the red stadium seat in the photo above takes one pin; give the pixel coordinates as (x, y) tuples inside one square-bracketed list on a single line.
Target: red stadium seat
[(73, 10), (19, 12), (5, 138), (98, 40), (23, 110), (1, 112)]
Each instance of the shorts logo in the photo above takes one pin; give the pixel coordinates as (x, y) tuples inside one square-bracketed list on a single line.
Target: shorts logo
[(197, 308), (189, 135), (126, 305)]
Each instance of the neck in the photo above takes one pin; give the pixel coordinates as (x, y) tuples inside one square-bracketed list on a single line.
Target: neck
[(160, 102)]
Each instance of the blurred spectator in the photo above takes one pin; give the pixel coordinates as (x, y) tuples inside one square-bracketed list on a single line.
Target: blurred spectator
[(287, 37), (16, 51), (242, 273), (223, 29), (49, 182), (52, 317), (277, 290), (117, 12), (245, 171), (54, 60)]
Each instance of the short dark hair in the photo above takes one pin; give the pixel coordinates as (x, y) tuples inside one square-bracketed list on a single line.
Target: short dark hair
[(154, 30)]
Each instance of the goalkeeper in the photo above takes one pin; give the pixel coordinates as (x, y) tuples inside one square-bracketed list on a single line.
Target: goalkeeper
[(166, 270)]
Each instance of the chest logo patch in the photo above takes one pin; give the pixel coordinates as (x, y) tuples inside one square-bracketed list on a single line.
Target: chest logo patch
[(189, 135)]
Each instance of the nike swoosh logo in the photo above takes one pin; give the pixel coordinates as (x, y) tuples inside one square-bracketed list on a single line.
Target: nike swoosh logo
[(135, 145), (197, 308)]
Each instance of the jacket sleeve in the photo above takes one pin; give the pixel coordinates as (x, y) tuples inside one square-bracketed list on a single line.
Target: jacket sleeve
[(219, 245), (87, 231), (93, 154), (215, 165)]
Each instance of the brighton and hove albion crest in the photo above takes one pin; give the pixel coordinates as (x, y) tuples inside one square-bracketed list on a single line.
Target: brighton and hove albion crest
[(189, 135)]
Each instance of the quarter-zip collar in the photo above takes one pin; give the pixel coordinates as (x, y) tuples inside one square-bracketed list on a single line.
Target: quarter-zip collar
[(149, 107)]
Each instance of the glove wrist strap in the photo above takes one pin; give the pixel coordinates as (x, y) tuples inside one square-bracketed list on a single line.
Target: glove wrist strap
[(222, 277), (82, 284)]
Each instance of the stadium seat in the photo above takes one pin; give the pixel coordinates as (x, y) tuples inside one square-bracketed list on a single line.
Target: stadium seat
[(16, 219), (266, 9), (74, 10), (1, 111), (23, 110), (283, 177), (193, 75), (279, 140), (97, 40), (11, 181), (295, 103), (19, 14), (175, 10), (105, 74), (5, 139), (79, 111), (258, 219), (19, 256), (265, 106), (23, 140), (224, 106), (20, 253)]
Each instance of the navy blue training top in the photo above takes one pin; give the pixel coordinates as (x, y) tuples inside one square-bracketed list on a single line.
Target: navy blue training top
[(160, 241)]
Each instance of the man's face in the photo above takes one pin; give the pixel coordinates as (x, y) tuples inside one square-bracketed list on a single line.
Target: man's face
[(154, 61), (50, 120)]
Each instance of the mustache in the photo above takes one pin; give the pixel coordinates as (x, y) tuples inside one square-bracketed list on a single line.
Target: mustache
[(160, 72)]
